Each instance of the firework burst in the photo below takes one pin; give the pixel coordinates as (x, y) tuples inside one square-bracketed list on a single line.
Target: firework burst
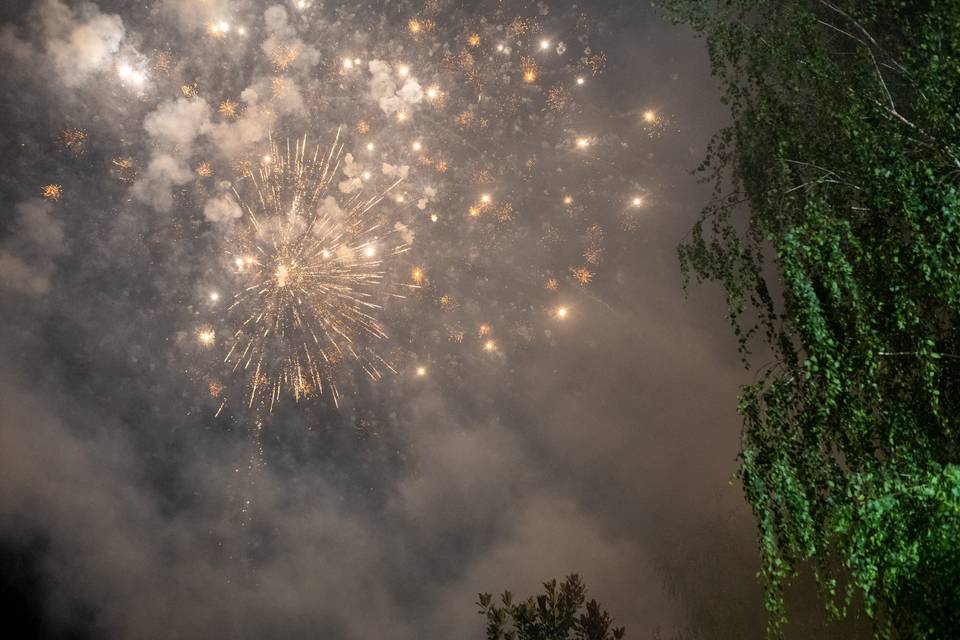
[(311, 277)]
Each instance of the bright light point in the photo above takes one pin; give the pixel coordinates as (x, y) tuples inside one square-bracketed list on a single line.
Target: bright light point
[(369, 146), (567, 200), (580, 80), (401, 199), (544, 44), (242, 31), (267, 159), (499, 47), (325, 253), (403, 70), (650, 116), (401, 116), (485, 198), (347, 63), (432, 92), (223, 26), (214, 296), (421, 371), (124, 70), (583, 143), (356, 61), (417, 146), (561, 312), (302, 4), (434, 217), (637, 201), (489, 345), (366, 175), (370, 251), (206, 337)]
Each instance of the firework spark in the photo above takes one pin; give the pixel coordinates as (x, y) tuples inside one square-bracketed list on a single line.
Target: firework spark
[(581, 275), (228, 109), (52, 192), (310, 279)]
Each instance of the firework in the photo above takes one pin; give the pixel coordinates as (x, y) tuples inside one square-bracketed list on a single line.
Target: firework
[(581, 275), (74, 139), (52, 192), (311, 276), (124, 170), (228, 109)]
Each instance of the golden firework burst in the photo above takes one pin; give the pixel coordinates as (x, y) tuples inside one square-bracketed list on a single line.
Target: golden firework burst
[(593, 255), (528, 69), (204, 170), (73, 139), (311, 278), (558, 99), (162, 61), (581, 275), (283, 56), (417, 276), (228, 109), (124, 170), (52, 192)]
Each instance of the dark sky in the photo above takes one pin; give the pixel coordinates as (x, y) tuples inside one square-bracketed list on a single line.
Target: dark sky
[(603, 443)]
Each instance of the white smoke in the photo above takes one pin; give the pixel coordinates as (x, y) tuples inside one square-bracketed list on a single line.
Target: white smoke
[(395, 171), (79, 43), (28, 254), (163, 173), (250, 128), (223, 208), (282, 37), (389, 92), (175, 125), (195, 14), (331, 208), (353, 172), (404, 231), (173, 128)]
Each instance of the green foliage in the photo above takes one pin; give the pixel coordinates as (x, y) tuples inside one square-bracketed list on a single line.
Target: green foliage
[(835, 232), (555, 615)]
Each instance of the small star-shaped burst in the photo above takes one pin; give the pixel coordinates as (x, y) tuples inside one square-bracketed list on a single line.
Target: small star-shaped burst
[(52, 192), (581, 275), (228, 109), (593, 255)]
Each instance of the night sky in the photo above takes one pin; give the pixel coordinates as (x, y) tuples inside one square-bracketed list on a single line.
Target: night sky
[(142, 495)]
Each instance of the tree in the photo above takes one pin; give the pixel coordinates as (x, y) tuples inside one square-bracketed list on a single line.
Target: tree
[(550, 616), (835, 233)]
